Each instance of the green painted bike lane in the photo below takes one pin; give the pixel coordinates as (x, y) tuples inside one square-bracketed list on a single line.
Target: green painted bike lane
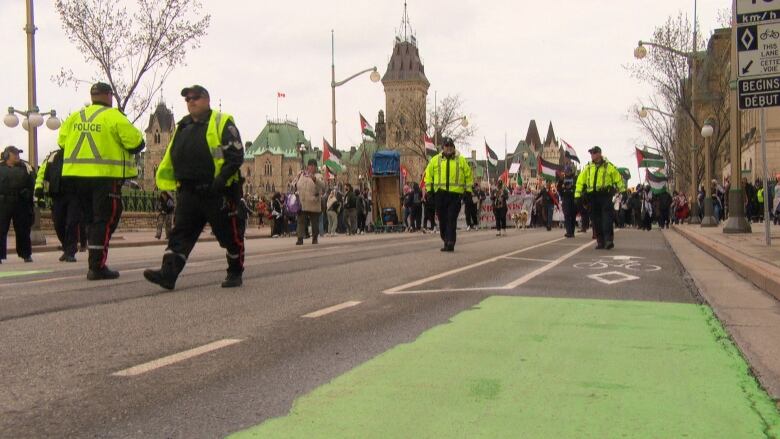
[(546, 368)]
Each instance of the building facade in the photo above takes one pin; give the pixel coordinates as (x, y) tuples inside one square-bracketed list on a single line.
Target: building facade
[(158, 136)]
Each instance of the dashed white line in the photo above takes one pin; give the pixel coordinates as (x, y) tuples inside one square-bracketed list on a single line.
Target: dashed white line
[(331, 309), (175, 358)]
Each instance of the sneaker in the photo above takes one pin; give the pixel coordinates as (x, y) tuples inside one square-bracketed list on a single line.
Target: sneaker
[(102, 274), (156, 277), (314, 241), (610, 245), (69, 258), (62, 258), (299, 242), (28, 259), (232, 280), (599, 246), (274, 236)]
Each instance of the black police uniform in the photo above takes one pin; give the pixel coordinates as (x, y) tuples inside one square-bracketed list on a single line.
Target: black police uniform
[(566, 189), (203, 198), (16, 206), (65, 210)]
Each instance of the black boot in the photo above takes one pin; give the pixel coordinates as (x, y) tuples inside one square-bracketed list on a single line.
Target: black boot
[(157, 277), (104, 273), (166, 276), (232, 280), (299, 241)]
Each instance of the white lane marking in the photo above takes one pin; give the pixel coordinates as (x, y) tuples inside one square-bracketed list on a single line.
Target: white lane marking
[(613, 277), (398, 289), (331, 309), (509, 286), (528, 259), (175, 358), (547, 267)]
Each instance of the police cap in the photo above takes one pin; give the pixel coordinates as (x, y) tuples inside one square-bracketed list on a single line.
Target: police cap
[(196, 89), (100, 88), (12, 149), (595, 149), (447, 141)]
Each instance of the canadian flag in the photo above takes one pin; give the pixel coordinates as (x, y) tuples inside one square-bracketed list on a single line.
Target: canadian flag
[(280, 95)]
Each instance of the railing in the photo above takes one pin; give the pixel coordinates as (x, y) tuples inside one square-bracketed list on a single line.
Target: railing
[(133, 200)]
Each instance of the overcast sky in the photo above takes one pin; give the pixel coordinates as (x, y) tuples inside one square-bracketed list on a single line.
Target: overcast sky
[(510, 61)]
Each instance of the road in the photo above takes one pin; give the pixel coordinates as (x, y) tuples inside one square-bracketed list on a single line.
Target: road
[(115, 359)]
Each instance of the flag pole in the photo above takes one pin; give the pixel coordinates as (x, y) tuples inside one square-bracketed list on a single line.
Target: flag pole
[(487, 163)]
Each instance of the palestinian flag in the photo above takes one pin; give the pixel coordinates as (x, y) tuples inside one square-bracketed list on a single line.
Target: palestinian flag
[(492, 158), (657, 181), (331, 157), (570, 152), (646, 159), (505, 178), (365, 128), (430, 148), (549, 170)]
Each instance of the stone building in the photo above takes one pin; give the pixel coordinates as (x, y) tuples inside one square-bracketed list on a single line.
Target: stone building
[(158, 135), (406, 92)]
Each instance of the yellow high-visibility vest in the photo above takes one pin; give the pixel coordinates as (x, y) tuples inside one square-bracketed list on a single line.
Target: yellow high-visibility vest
[(459, 179), (165, 175), (97, 141), (599, 178)]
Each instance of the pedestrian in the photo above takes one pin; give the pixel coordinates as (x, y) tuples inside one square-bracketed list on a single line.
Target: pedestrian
[(547, 201), (429, 206), (350, 209), (65, 210), (100, 152), (598, 181), (500, 198), (165, 207), (361, 212), (262, 212), (665, 203), (334, 207), (416, 215), (566, 190), (647, 208), (448, 176), (470, 210), (276, 215), (17, 183), (309, 186), (202, 164)]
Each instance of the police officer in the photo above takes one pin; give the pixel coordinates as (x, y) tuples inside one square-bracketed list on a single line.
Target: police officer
[(65, 210), (17, 180), (99, 146), (566, 189), (599, 181), (448, 176), (202, 164)]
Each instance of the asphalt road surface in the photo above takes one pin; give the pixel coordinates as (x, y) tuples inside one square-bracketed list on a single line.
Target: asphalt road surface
[(115, 359)]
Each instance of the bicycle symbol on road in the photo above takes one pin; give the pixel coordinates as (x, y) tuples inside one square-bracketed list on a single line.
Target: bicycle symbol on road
[(626, 262), (769, 33)]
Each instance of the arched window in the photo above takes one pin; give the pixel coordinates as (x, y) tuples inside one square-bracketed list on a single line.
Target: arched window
[(268, 168), (289, 171), (156, 137), (397, 135), (751, 165)]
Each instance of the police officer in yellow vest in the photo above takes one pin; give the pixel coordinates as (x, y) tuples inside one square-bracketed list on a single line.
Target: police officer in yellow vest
[(599, 182), (202, 165), (99, 146), (448, 178)]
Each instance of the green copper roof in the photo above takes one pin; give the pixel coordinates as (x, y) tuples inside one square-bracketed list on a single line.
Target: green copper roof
[(278, 138)]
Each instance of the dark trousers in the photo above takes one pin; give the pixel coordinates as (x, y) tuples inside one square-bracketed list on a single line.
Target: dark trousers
[(585, 217), (500, 214), (416, 219), (569, 213), (20, 213), (430, 217), (663, 221), (548, 214), (100, 200), (193, 210), (448, 207), (305, 218), (602, 215), (66, 215)]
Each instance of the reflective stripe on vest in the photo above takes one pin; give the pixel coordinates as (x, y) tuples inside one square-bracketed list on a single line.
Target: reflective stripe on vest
[(448, 184), (86, 135)]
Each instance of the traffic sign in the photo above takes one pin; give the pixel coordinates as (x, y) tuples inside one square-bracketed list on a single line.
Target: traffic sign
[(758, 49), (759, 92), (757, 11)]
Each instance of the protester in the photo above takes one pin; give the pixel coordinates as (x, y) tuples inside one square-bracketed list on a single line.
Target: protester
[(566, 190), (309, 186), (500, 199), (350, 209)]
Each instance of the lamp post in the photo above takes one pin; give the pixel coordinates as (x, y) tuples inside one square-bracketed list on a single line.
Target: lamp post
[(302, 150), (33, 117), (708, 220), (639, 53), (375, 77)]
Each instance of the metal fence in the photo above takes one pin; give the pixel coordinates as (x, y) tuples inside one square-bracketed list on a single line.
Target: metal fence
[(133, 200)]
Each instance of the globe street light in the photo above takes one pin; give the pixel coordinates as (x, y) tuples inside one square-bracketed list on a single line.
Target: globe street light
[(708, 220), (375, 77), (302, 150)]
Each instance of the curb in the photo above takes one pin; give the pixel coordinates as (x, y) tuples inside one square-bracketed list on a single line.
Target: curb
[(763, 275)]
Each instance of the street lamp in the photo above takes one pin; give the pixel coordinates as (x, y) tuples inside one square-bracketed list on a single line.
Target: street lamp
[(302, 150), (706, 131), (32, 117), (640, 52), (375, 77)]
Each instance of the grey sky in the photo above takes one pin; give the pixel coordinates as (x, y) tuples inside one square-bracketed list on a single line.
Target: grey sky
[(510, 60)]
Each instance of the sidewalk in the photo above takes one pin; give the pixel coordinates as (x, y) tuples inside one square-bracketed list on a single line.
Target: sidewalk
[(745, 299)]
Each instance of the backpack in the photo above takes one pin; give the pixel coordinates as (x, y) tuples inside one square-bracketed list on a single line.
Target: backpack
[(293, 204)]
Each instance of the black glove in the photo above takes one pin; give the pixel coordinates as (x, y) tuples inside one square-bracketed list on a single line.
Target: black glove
[(39, 193), (218, 185)]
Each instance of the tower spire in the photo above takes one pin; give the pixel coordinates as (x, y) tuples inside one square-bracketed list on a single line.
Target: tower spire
[(406, 33)]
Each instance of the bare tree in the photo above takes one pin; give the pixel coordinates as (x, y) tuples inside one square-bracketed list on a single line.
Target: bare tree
[(134, 52), (444, 120), (670, 75)]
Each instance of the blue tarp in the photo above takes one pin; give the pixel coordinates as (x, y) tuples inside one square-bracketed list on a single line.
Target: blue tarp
[(387, 163)]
